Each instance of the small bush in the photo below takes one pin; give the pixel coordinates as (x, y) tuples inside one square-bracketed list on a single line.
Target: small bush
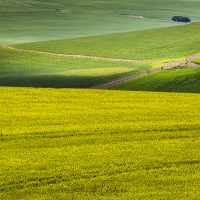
[(181, 19)]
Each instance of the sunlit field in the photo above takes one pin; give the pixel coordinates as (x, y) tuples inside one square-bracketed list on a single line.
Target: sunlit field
[(62, 139), (197, 60), (174, 80), (89, 144), (39, 70), (157, 44)]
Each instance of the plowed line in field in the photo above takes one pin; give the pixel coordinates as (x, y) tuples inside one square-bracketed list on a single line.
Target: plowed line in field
[(76, 56)]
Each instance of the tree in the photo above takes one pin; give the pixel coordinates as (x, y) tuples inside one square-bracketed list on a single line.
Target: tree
[(181, 19)]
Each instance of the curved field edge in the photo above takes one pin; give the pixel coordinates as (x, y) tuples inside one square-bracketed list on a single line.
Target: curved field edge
[(157, 44), (21, 20), (40, 70), (82, 144), (177, 79)]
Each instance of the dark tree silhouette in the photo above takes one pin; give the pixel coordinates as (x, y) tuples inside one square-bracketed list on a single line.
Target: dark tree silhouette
[(181, 19)]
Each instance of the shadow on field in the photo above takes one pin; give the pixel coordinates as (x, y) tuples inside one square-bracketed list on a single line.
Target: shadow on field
[(54, 81)]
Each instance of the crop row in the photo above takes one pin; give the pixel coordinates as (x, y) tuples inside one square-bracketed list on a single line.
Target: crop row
[(88, 144)]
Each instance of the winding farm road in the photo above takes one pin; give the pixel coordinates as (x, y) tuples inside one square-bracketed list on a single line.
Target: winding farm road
[(71, 55), (163, 65)]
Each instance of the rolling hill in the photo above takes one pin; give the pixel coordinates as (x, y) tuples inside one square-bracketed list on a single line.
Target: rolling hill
[(28, 69), (173, 80), (38, 20), (157, 44), (61, 142)]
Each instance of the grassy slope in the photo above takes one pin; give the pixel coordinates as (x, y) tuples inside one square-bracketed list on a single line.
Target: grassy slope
[(20, 22), (163, 43), (83, 144), (36, 70), (197, 60), (176, 80)]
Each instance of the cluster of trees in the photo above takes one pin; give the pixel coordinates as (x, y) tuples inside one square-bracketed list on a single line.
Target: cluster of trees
[(181, 19)]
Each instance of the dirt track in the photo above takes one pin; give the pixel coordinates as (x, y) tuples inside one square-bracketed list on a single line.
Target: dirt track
[(163, 65), (71, 55)]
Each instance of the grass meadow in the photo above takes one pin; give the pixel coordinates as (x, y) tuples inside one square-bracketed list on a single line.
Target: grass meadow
[(177, 79), (157, 44), (32, 20), (92, 144), (40, 70), (197, 60)]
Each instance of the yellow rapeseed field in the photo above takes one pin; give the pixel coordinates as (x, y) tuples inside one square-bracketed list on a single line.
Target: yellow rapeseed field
[(92, 144)]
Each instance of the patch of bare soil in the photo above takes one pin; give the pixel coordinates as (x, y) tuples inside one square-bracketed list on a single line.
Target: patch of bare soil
[(134, 16), (66, 11), (26, 4)]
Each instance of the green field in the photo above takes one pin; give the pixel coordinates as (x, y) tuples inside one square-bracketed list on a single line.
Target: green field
[(197, 60), (40, 70), (173, 80), (68, 19), (165, 43), (89, 144), (30, 69), (39, 20)]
